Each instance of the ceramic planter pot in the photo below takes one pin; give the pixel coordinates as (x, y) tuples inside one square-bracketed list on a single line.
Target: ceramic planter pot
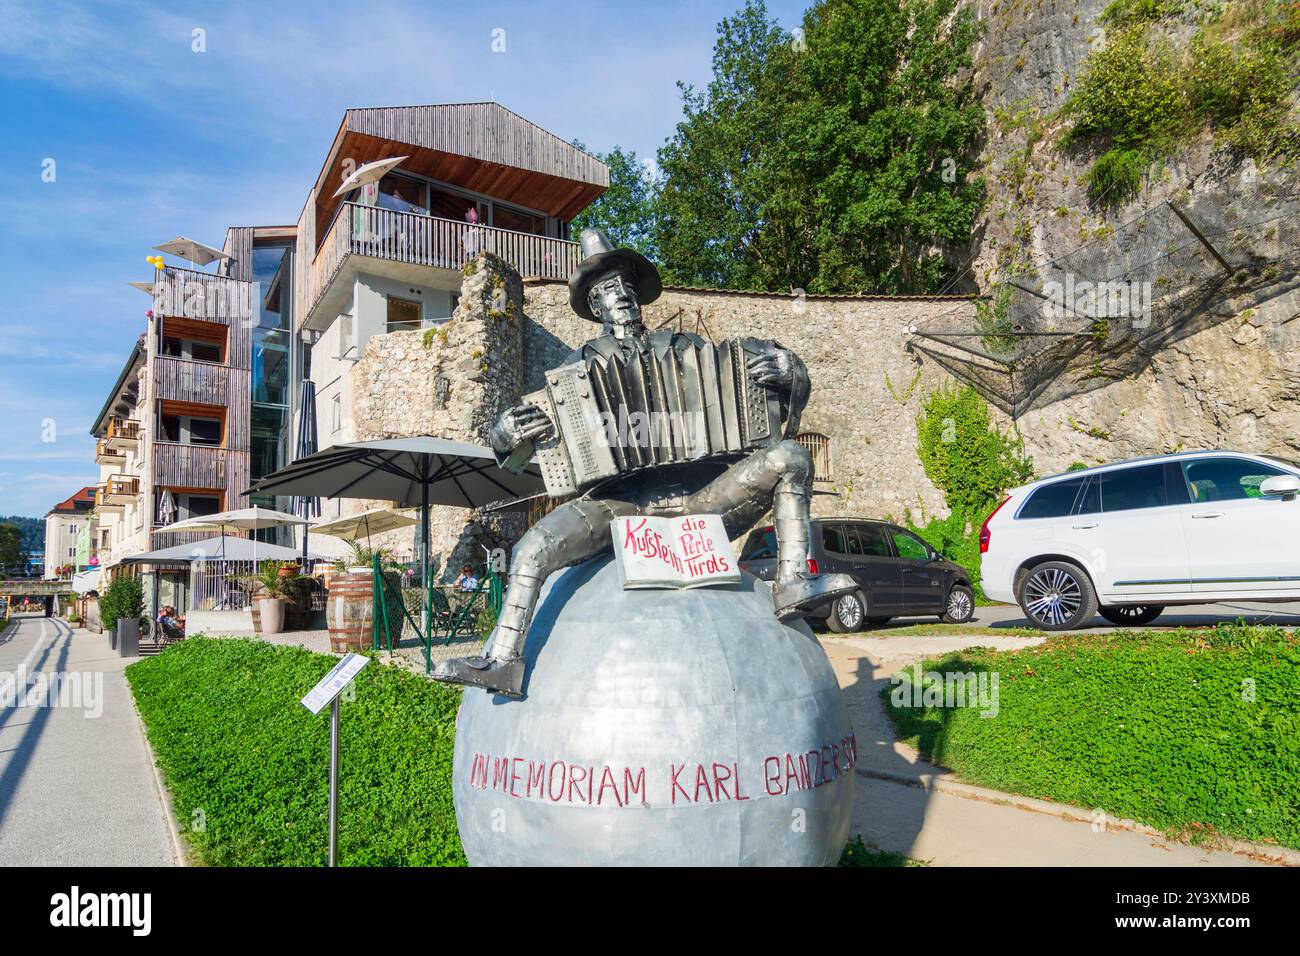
[(271, 611)]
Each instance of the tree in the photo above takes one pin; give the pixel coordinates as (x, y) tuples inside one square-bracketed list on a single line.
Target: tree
[(13, 556), (626, 210), (832, 161)]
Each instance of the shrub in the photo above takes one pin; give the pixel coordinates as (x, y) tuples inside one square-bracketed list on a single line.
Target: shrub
[(1116, 175), (1131, 91), (972, 462), (244, 757), (1192, 732), (967, 457), (1122, 13), (124, 598)]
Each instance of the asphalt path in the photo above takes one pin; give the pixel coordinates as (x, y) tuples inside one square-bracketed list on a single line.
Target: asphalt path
[(76, 784)]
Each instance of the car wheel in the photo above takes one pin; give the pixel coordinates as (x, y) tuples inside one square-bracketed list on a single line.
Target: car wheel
[(1132, 615), (960, 607), (1057, 596), (847, 614)]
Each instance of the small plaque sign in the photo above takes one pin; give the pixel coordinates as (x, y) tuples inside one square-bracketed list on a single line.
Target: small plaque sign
[(690, 551), (334, 682)]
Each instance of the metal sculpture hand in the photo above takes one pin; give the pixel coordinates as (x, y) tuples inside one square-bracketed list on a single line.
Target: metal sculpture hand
[(773, 367), (516, 425)]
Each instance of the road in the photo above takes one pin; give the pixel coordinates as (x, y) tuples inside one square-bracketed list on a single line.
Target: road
[(76, 784)]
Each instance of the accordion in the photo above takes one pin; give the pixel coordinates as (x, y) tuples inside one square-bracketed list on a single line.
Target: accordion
[(679, 400)]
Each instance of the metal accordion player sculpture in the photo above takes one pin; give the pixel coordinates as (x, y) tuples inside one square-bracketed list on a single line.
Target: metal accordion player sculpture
[(641, 422)]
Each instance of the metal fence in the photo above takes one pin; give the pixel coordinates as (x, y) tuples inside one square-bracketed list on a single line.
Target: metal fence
[(453, 626)]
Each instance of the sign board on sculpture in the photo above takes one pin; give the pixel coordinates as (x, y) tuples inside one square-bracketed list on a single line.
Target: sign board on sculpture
[(687, 552)]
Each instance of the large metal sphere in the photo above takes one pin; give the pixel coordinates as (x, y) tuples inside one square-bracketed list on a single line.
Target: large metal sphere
[(659, 728)]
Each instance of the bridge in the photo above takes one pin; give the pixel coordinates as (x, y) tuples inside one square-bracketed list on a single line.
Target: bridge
[(20, 587)]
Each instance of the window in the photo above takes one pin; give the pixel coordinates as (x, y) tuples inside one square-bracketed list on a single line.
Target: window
[(833, 539), (401, 193), (761, 544), (336, 412), (874, 543), (196, 506), (1056, 500), (1226, 479), (819, 449), (1128, 489), (910, 547), (403, 315), (189, 430), (854, 543), (504, 217)]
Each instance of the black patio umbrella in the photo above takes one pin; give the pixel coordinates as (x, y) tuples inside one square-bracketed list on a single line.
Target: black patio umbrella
[(421, 471)]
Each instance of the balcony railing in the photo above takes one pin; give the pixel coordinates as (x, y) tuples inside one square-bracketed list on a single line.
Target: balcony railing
[(184, 380), (123, 434), (104, 455), (117, 492), (429, 241), (189, 466)]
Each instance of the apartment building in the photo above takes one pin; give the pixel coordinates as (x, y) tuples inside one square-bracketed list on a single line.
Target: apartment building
[(64, 523), (387, 256), (207, 401)]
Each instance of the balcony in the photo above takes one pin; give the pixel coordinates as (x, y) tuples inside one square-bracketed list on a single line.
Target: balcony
[(118, 492), (123, 435), (104, 455), (189, 466), (405, 245), (184, 380)]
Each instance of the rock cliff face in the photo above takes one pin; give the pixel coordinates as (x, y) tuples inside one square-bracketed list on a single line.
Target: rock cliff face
[(1214, 364)]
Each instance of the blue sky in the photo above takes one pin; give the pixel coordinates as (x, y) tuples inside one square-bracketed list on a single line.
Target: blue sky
[(151, 140)]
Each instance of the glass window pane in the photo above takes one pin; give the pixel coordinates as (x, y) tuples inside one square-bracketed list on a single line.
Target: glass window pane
[(503, 217), (1131, 488), (833, 539), (403, 315), (760, 545), (909, 546), (1053, 501), (874, 541), (1226, 479), (402, 194), (205, 431)]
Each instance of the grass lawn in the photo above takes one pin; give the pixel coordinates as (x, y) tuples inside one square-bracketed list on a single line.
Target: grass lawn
[(248, 765), (1193, 732)]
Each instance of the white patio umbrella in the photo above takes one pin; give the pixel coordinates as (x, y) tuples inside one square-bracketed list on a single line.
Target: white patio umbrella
[(240, 519), (369, 173), (191, 250), (142, 286), (366, 523)]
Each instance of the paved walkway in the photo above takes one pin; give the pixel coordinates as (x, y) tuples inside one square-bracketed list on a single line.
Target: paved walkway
[(76, 784), (898, 808)]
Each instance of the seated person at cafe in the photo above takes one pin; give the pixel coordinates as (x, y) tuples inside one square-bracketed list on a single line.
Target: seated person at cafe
[(467, 580)]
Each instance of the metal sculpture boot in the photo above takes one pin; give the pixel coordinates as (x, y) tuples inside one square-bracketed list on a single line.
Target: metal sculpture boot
[(803, 594), (496, 676)]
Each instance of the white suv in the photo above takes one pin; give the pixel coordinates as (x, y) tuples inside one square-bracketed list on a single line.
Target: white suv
[(1132, 538)]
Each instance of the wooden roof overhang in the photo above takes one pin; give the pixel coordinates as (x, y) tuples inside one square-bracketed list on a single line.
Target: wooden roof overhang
[(496, 153)]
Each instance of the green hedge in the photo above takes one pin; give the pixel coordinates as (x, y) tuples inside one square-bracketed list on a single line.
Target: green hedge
[(1153, 726), (247, 763)]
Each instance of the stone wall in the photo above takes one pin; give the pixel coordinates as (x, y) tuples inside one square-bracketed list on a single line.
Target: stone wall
[(452, 382), (867, 385)]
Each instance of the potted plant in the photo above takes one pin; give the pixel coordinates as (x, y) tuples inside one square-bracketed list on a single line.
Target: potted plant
[(273, 585)]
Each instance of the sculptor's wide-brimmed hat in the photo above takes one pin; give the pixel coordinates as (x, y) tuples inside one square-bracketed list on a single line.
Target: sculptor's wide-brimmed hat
[(599, 259)]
